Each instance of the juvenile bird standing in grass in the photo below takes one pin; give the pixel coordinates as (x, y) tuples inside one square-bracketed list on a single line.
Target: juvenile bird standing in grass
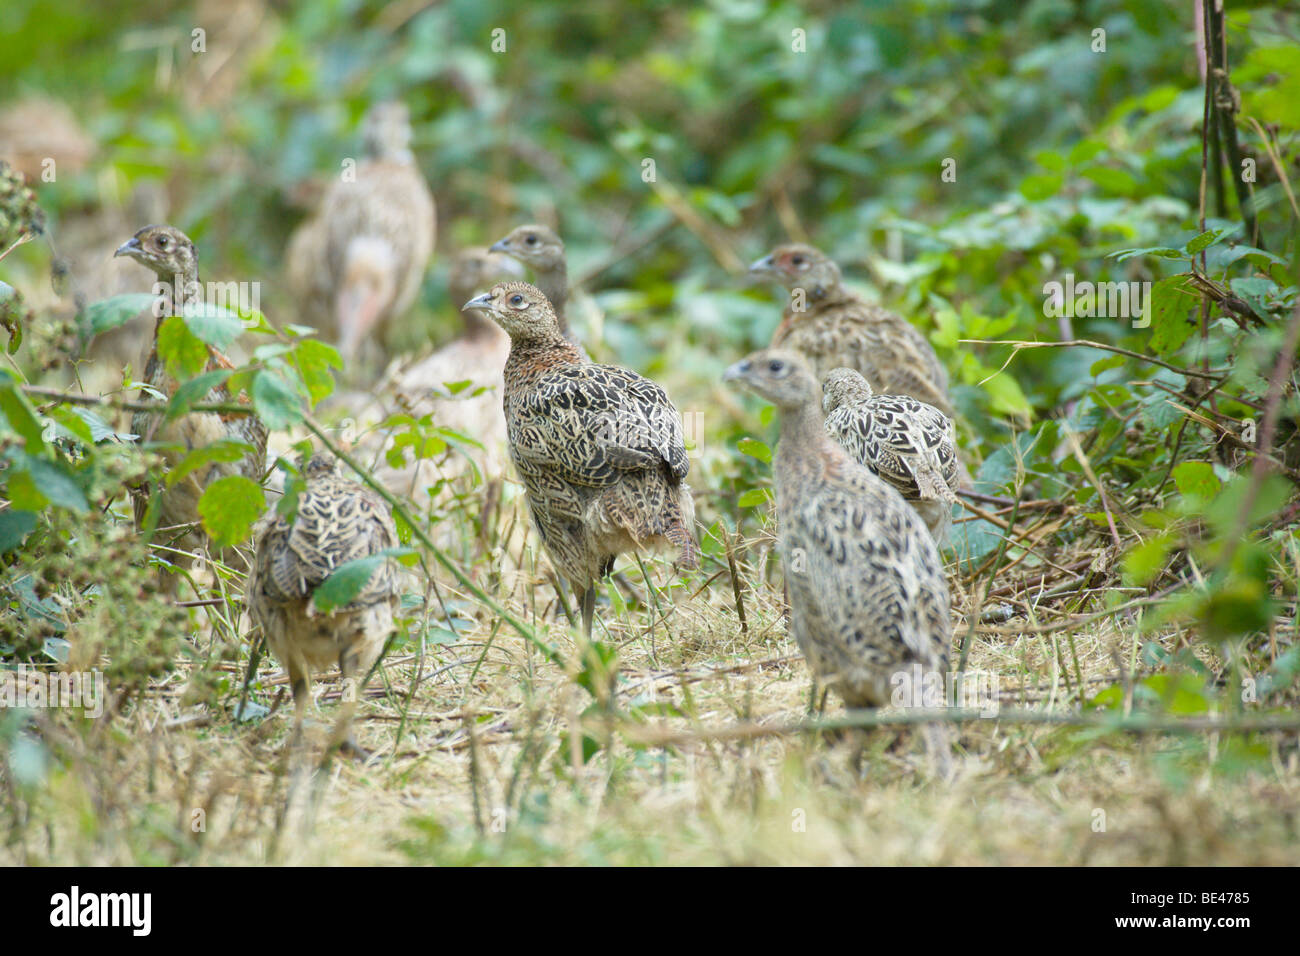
[(360, 261), (599, 448), (171, 256), (868, 599), (907, 443), (336, 521), (831, 327), (540, 249)]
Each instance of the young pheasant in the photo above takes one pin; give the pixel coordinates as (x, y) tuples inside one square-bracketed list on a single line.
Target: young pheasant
[(833, 327), (171, 256), (868, 598), (420, 387), (337, 520), (541, 250), (907, 443), (599, 448), (359, 262)]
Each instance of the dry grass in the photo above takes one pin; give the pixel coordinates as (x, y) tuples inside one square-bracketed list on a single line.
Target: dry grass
[(488, 768)]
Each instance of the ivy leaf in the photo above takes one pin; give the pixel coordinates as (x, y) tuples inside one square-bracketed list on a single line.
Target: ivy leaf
[(350, 578), (278, 404), (755, 449), (229, 507), (181, 350)]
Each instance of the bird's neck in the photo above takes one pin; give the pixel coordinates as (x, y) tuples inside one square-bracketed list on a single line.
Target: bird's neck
[(554, 283), (541, 353), (801, 439), (179, 290)]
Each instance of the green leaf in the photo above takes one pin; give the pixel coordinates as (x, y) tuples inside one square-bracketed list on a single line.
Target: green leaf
[(53, 482), (222, 450), (183, 352), (229, 507), (278, 404), (14, 527), (1203, 241), (21, 415), (314, 360), (1144, 562), (1169, 304), (1117, 181), (350, 578), (213, 324), (109, 314), (1161, 252), (1037, 186), (1196, 479), (754, 497), (1106, 364), (755, 449), (194, 391)]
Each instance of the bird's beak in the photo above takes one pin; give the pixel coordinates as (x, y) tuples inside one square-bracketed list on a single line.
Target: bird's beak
[(764, 264), (128, 248), (501, 245), (480, 303), (737, 371)]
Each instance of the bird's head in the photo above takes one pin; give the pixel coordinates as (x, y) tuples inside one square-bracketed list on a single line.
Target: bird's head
[(386, 131), (521, 309), (474, 269), (165, 250), (798, 267), (319, 465), (783, 378), (537, 247), (843, 386)]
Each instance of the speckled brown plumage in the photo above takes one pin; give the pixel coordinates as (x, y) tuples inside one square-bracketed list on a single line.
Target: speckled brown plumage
[(600, 449), (542, 250), (170, 255), (837, 328), (907, 443), (360, 261), (337, 521), (868, 597)]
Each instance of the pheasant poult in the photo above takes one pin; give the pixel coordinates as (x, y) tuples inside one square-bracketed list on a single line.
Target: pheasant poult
[(600, 449), (171, 256), (907, 443), (832, 327), (868, 599), (359, 262), (337, 520), (541, 250), (478, 356)]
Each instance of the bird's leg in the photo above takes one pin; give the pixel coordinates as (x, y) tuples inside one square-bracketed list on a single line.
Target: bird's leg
[(348, 660), (298, 681), (588, 609)]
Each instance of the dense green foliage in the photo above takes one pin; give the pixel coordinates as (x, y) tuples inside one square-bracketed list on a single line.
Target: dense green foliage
[(956, 158)]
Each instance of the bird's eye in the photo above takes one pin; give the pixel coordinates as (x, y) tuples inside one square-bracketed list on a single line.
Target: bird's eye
[(776, 365), (516, 299), (162, 242), (531, 240), (797, 260)]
